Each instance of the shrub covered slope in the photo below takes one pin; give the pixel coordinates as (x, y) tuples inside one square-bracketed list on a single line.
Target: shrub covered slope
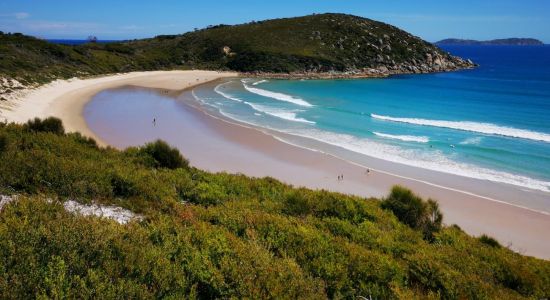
[(210, 235)]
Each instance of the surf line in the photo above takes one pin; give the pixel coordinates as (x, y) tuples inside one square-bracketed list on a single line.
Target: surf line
[(266, 132)]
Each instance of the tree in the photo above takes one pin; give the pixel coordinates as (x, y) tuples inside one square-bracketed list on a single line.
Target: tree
[(165, 156), (413, 211), (50, 124)]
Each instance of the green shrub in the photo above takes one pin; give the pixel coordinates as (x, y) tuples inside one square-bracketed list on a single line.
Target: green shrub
[(487, 240), (51, 124), (165, 156), (84, 140), (413, 211), (121, 186), (3, 143)]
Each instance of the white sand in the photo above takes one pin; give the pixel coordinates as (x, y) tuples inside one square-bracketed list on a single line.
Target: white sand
[(118, 214), (65, 99)]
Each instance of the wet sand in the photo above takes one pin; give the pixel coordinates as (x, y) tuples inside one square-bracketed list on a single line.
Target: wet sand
[(214, 144), (65, 99)]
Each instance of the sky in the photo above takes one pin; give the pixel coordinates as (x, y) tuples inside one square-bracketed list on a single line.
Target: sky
[(112, 19)]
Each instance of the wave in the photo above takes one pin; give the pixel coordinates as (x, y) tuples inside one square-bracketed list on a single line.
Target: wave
[(485, 128), (432, 160), (279, 113), (472, 141), (406, 138), (225, 95), (276, 96), (260, 82)]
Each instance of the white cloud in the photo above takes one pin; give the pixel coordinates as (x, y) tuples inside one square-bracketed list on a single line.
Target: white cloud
[(59, 27), (17, 15), (21, 15)]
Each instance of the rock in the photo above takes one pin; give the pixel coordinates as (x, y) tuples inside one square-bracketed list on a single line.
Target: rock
[(383, 69), (429, 58), (226, 50)]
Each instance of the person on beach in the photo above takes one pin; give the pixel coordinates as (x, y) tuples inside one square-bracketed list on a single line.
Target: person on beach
[(154, 121)]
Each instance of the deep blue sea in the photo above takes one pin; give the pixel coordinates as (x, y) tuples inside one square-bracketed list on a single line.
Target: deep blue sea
[(490, 123)]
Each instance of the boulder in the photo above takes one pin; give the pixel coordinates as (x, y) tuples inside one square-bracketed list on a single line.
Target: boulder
[(383, 69)]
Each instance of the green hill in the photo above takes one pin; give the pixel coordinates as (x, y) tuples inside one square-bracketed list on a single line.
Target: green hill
[(207, 235), (323, 43)]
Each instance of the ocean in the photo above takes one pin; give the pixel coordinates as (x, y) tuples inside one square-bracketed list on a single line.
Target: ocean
[(490, 123)]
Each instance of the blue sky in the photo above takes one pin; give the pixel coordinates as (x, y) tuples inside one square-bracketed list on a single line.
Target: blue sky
[(431, 20)]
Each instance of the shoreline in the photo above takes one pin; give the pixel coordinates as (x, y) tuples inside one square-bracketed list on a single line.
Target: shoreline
[(66, 99), (383, 72), (244, 148)]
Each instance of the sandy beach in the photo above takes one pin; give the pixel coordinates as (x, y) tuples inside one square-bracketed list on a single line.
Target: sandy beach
[(218, 145), (65, 99)]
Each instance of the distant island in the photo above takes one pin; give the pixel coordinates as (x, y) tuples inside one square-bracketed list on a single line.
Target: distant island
[(510, 41)]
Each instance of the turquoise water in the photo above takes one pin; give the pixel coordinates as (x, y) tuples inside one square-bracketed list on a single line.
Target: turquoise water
[(490, 123)]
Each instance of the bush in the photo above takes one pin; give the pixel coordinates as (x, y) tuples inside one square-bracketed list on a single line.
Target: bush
[(84, 139), (410, 209), (165, 156), (51, 124), (3, 143), (487, 240)]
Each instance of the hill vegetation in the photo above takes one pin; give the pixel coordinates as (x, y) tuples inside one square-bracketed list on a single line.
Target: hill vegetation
[(327, 43), (207, 235)]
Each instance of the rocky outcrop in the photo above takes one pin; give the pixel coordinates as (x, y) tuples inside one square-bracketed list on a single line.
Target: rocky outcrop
[(431, 63)]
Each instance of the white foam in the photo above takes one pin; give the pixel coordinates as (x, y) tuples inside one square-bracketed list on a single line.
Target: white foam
[(472, 141), (276, 96), (432, 160), (218, 90), (279, 113), (486, 128), (259, 82), (406, 138)]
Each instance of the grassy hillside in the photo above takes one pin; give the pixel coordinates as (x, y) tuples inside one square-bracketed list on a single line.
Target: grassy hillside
[(315, 43), (210, 235)]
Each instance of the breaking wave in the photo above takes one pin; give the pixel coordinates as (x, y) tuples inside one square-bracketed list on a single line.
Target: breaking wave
[(432, 160), (259, 82), (406, 138), (218, 90), (279, 113), (485, 128), (276, 96)]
